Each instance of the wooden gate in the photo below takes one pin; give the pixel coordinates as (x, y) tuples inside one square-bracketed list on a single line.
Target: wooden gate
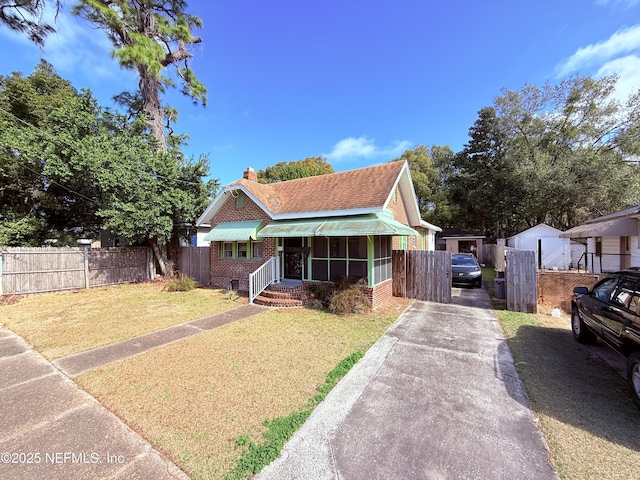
[(195, 262), (423, 275), (521, 281)]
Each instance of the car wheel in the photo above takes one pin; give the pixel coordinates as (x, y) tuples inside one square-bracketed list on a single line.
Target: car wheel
[(633, 376), (478, 284), (580, 331)]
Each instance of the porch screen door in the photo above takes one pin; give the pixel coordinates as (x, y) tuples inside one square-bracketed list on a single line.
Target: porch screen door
[(293, 258)]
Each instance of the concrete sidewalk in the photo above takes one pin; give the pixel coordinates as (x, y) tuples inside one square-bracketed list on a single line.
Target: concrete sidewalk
[(74, 365), (437, 397), (51, 429)]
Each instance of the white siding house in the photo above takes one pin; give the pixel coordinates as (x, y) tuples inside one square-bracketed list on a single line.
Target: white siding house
[(612, 241), (552, 252)]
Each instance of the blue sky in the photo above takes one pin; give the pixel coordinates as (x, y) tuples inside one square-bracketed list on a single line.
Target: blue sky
[(356, 81)]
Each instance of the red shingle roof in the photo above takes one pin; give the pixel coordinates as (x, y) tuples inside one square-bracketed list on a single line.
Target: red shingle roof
[(355, 189)]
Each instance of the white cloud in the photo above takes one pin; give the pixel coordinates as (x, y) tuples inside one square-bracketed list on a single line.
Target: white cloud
[(353, 147), (78, 47), (623, 42), (628, 71), (629, 3)]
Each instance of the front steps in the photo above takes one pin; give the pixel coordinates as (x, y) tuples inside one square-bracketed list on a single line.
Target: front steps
[(284, 296)]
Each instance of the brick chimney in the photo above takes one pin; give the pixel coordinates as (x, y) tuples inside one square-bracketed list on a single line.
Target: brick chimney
[(250, 175)]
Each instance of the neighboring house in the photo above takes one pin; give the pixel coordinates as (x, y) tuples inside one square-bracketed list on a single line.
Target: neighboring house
[(458, 241), (320, 229), (552, 252), (611, 241)]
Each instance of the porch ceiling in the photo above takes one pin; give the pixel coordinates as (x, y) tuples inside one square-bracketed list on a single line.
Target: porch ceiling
[(233, 231), (619, 227), (374, 224)]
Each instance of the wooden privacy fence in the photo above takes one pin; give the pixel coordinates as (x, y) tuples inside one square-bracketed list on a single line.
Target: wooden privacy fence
[(521, 280), (196, 263), (49, 269), (423, 275)]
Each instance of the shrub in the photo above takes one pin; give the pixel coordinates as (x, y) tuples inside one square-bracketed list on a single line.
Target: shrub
[(183, 283), (321, 294), (349, 300), (231, 294)]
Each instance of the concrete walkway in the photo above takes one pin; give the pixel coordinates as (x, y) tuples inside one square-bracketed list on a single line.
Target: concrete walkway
[(437, 397), (74, 365), (51, 429)]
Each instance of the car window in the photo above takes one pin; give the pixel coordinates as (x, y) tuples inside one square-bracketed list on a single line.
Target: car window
[(624, 292), (604, 289), (463, 261)]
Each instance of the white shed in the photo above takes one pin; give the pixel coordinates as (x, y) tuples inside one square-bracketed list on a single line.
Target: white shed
[(552, 252)]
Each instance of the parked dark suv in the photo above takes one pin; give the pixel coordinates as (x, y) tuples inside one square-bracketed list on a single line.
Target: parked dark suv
[(611, 311)]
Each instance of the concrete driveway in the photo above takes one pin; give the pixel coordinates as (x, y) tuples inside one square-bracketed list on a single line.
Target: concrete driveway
[(437, 397)]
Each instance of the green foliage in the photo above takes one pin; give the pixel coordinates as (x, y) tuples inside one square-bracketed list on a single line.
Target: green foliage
[(556, 154), (147, 37), (281, 429), (284, 171), (183, 283), (430, 170), (67, 167), (25, 16)]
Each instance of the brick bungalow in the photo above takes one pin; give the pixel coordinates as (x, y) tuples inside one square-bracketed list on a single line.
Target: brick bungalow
[(315, 229)]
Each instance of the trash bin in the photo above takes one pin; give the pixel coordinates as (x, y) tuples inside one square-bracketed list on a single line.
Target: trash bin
[(235, 284), (499, 287)]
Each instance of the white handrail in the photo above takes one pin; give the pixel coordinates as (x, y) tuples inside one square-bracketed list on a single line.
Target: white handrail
[(268, 273)]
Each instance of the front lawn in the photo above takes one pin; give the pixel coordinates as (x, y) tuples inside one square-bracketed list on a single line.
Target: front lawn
[(60, 324), (589, 421), (202, 400)]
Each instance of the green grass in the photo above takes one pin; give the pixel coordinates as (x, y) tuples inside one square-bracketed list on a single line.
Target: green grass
[(281, 429)]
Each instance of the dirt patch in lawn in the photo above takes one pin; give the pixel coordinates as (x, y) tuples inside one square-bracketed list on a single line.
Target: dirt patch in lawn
[(60, 324), (583, 404), (194, 399)]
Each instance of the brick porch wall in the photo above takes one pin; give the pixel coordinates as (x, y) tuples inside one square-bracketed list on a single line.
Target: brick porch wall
[(555, 289), (380, 293)]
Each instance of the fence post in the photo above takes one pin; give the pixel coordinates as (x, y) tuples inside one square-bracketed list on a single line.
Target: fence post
[(0, 272), (85, 244)]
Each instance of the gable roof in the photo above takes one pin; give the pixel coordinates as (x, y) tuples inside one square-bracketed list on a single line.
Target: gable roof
[(354, 192), (541, 227), (351, 190)]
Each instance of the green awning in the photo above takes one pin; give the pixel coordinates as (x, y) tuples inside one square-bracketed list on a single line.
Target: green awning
[(373, 224), (234, 231)]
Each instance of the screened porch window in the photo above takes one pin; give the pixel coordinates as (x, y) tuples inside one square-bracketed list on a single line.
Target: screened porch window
[(335, 258)]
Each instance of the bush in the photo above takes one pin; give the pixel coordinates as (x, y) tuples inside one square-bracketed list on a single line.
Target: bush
[(321, 294), (183, 283), (349, 300)]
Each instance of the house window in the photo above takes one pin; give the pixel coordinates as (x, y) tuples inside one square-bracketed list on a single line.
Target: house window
[(357, 247), (240, 200), (256, 249), (382, 259), (598, 246), (338, 247), (335, 258), (241, 250)]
